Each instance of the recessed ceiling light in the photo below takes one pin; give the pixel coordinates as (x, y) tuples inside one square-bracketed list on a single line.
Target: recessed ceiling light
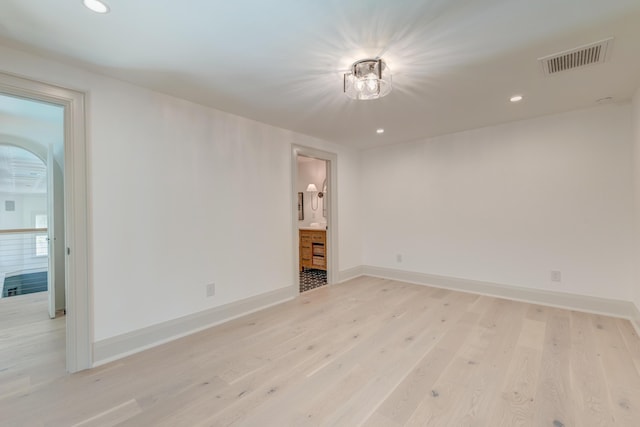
[(96, 5), (516, 98), (380, 130)]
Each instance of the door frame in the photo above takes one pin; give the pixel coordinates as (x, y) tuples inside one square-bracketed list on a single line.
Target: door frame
[(331, 199), (79, 320)]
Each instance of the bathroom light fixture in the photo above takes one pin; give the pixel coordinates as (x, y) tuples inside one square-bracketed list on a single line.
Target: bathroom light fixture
[(380, 130), (368, 79), (311, 188), (516, 98), (96, 5)]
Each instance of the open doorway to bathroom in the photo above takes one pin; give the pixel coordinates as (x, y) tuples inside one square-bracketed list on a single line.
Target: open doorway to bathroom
[(313, 213)]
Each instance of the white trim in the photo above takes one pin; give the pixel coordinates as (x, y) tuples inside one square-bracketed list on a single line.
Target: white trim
[(350, 273), (79, 322), (589, 304), (114, 348), (26, 144), (635, 318), (123, 345), (332, 221)]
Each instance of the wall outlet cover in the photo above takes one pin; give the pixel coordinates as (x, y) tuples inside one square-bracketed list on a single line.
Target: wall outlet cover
[(211, 289)]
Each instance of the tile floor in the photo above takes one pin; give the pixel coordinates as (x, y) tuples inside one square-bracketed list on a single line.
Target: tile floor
[(311, 278)]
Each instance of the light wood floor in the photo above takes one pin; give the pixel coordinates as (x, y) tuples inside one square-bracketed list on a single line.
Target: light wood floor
[(368, 352), (32, 346)]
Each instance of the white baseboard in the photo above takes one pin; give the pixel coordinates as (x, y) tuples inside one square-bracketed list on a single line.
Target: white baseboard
[(635, 319), (350, 273), (114, 348), (605, 306)]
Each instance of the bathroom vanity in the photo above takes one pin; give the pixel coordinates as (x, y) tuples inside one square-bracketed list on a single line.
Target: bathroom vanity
[(313, 248)]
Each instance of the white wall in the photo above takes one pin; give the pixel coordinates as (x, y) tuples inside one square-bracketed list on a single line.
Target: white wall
[(175, 189), (636, 162), (311, 171), (26, 206), (508, 204)]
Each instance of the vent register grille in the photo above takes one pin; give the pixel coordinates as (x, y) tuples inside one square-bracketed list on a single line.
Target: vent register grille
[(593, 53)]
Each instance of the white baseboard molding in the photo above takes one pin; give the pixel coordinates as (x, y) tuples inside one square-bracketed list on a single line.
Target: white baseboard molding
[(120, 346), (635, 319), (605, 306), (350, 273), (117, 347)]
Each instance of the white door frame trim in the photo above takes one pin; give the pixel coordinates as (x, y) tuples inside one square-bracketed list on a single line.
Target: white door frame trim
[(79, 320), (332, 221)]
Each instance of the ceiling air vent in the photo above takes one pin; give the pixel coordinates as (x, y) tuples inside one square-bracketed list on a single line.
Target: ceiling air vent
[(593, 53)]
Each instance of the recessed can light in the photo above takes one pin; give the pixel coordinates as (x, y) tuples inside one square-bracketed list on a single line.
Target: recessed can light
[(96, 5), (380, 130), (516, 98)]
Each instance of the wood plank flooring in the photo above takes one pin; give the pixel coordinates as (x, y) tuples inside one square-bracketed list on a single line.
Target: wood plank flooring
[(369, 352), (32, 345)]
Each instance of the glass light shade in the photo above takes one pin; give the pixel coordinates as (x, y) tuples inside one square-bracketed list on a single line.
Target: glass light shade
[(368, 79), (312, 187)]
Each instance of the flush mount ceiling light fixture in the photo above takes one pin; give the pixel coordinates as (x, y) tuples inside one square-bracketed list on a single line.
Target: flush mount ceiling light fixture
[(368, 79)]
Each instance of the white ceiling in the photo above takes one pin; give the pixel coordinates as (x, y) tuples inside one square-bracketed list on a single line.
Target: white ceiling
[(455, 63), (21, 172)]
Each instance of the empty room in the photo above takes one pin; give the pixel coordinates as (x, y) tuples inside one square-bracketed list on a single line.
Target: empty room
[(320, 213)]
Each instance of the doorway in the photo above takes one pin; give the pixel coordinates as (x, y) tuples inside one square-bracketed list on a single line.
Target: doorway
[(70, 242), (311, 184), (32, 200), (32, 281), (28, 224), (314, 231)]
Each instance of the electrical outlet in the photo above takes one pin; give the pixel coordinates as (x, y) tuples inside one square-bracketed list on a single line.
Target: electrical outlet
[(398, 258), (556, 276), (211, 289)]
